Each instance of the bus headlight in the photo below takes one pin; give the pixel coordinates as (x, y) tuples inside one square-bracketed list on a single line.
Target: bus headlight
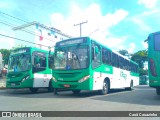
[(84, 79), (54, 79), (25, 78)]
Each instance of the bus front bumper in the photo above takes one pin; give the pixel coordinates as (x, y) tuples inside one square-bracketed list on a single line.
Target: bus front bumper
[(72, 85), (154, 83)]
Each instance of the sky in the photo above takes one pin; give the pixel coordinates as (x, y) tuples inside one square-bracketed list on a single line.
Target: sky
[(119, 24)]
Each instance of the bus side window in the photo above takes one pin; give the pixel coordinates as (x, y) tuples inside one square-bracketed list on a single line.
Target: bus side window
[(106, 56), (39, 61), (96, 56), (115, 60)]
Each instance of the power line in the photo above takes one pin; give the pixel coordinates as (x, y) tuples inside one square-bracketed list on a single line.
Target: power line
[(23, 40), (13, 17), (11, 25), (27, 31)]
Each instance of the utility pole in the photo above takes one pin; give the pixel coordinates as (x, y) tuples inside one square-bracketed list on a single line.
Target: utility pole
[(80, 26)]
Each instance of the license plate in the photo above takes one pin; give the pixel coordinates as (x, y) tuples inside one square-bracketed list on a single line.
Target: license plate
[(13, 84), (66, 85)]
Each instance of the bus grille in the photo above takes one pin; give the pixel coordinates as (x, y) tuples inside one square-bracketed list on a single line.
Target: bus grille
[(69, 75)]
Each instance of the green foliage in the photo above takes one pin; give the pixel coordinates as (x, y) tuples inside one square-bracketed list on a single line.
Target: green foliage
[(5, 53), (123, 52), (140, 57), (142, 72)]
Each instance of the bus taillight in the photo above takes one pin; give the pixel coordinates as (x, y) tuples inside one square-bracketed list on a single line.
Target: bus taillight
[(152, 67)]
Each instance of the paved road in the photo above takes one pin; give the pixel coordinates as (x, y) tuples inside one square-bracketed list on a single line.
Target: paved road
[(142, 98)]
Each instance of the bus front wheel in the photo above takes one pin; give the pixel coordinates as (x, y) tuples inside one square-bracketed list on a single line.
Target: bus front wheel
[(105, 88), (158, 91), (33, 90), (50, 88)]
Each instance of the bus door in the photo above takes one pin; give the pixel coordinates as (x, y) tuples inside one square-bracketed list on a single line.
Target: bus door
[(39, 66)]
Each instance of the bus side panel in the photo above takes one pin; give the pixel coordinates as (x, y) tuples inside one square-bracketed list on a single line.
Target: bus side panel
[(41, 80), (118, 78), (153, 64), (97, 81), (135, 78), (99, 75)]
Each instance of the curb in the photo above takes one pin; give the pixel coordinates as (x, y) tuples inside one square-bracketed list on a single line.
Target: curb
[(2, 88)]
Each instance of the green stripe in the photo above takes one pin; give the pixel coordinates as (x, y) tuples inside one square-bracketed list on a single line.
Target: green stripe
[(134, 74)]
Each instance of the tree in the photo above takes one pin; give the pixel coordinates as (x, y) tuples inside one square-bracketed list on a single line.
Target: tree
[(5, 54), (123, 52), (140, 57)]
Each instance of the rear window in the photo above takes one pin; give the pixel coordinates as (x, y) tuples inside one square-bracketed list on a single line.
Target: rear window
[(157, 42)]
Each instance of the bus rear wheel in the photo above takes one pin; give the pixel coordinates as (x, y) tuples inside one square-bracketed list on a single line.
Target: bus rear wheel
[(158, 91), (76, 91), (33, 90), (131, 86), (105, 88)]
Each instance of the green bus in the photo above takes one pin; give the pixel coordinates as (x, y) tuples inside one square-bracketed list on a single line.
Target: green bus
[(84, 64), (28, 67), (154, 60), (144, 80)]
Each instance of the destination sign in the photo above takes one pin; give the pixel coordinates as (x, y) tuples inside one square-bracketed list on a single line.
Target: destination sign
[(19, 51), (73, 41)]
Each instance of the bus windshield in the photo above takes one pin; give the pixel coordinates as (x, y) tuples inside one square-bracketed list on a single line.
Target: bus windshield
[(71, 58), (19, 63)]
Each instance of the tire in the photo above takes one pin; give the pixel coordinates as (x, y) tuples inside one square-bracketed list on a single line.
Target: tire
[(131, 86), (50, 88), (55, 91), (76, 91), (33, 90), (158, 91), (105, 88)]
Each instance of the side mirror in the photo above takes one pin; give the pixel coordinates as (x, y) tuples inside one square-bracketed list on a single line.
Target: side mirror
[(95, 51), (37, 59), (51, 61)]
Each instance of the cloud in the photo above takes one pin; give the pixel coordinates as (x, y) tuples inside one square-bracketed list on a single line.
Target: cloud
[(145, 44), (57, 20), (131, 48), (143, 20), (114, 41), (4, 4), (141, 23), (148, 3), (97, 26), (110, 20)]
